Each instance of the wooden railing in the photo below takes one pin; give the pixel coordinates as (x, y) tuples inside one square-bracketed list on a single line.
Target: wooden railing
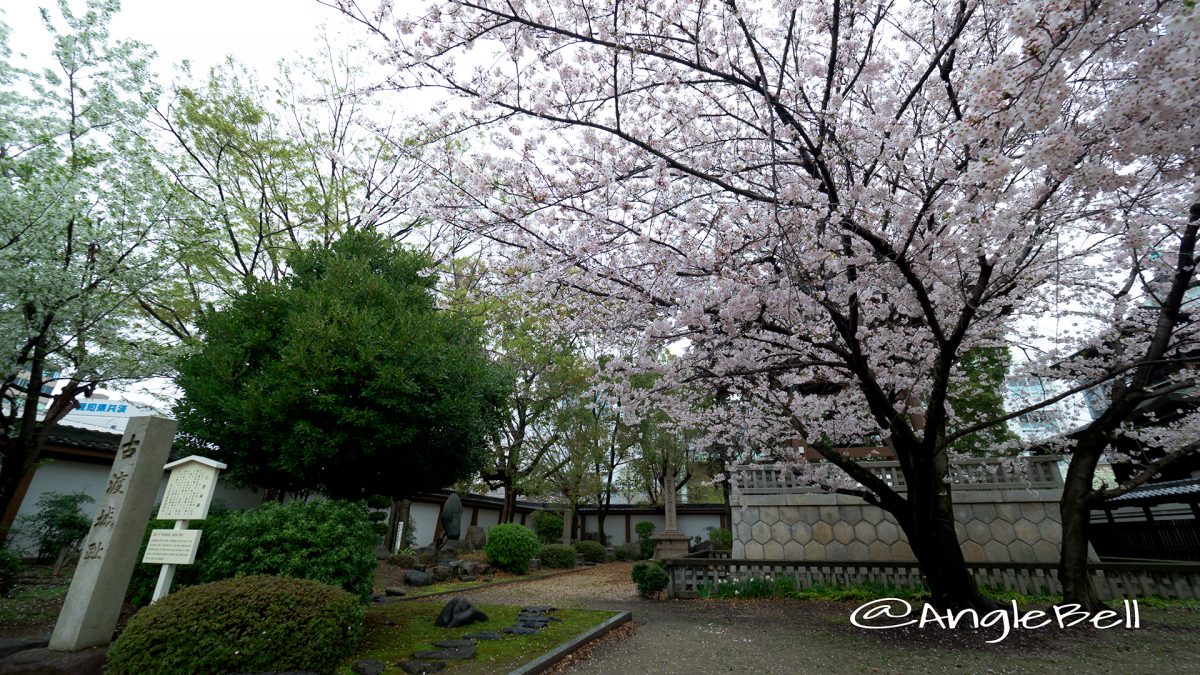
[(1036, 473), (688, 576)]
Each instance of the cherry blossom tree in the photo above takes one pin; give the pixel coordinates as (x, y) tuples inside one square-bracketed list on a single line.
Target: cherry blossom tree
[(825, 205)]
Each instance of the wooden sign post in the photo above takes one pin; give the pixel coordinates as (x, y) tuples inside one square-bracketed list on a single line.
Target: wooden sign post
[(188, 495)]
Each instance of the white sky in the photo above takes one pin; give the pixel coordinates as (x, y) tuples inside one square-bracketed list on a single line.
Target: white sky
[(257, 32)]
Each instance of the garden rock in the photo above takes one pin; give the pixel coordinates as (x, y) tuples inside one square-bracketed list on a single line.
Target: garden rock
[(538, 609), (459, 612), (451, 644), (486, 635), (417, 578), (443, 573), (476, 537), (368, 667), (449, 654), (466, 577), (394, 591), (415, 666), (452, 516), (521, 630)]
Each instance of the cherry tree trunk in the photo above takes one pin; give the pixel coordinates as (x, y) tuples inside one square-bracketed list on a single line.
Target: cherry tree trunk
[(929, 524), (509, 510), (1075, 509)]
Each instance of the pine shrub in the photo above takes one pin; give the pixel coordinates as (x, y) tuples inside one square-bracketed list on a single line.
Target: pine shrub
[(650, 578)]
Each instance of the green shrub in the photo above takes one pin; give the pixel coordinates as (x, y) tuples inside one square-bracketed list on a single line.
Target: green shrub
[(645, 529), (591, 551), (248, 625), (11, 566), (721, 538), (59, 524), (328, 541), (549, 527), (621, 553), (558, 556), (510, 547), (650, 578)]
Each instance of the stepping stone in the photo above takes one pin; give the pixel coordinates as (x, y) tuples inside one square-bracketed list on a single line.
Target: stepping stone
[(466, 577), (455, 653), (533, 623), (367, 667), (538, 609), (395, 591), (520, 630), (486, 635), (451, 644), (414, 666)]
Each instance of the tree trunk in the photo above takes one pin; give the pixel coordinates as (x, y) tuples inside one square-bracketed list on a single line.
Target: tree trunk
[(12, 472), (398, 513), (568, 518), (1075, 510), (929, 524), (509, 510)]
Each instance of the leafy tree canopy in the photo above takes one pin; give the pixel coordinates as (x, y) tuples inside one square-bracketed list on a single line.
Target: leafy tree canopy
[(343, 377)]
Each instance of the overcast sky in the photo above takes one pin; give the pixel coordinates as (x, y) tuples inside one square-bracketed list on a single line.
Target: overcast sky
[(257, 32)]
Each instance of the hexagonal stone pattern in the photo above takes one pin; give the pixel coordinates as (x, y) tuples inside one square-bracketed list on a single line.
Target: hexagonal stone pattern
[(994, 551), (864, 532), (1044, 551), (1002, 531), (822, 533), (888, 533), (873, 514), (801, 532), (972, 552), (1021, 552), (851, 513), (1026, 531), (754, 551), (761, 532), (814, 550), (978, 532), (789, 514), (902, 551), (773, 550), (879, 551), (793, 550), (781, 532), (836, 551), (843, 532), (857, 550), (768, 514), (1034, 513), (1051, 531)]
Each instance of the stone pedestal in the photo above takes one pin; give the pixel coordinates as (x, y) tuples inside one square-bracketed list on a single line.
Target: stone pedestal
[(670, 544)]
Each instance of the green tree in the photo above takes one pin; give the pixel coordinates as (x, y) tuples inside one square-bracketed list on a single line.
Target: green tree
[(343, 377), (976, 394), (82, 204)]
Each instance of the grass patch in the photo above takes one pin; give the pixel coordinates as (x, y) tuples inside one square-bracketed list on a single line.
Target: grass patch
[(35, 600), (396, 630)]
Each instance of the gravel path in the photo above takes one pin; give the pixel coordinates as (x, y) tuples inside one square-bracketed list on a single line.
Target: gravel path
[(782, 636)]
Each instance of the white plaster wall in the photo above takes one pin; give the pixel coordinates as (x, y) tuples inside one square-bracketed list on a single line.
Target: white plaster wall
[(425, 517)]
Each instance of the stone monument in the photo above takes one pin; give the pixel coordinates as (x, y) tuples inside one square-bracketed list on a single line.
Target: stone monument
[(670, 543), (93, 604), (451, 522)]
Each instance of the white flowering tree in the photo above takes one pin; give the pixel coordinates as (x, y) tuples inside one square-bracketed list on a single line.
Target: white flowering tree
[(825, 205), (82, 208)]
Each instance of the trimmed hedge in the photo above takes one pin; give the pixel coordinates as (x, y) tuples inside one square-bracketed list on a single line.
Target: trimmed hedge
[(721, 538), (558, 556), (511, 546), (249, 625), (549, 527), (591, 551)]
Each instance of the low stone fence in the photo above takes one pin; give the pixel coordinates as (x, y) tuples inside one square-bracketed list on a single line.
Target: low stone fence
[(1112, 580)]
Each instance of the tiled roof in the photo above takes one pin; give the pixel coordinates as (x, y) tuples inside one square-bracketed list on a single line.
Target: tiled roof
[(1160, 492), (87, 439)]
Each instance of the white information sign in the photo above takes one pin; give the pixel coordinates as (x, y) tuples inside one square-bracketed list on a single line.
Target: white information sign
[(172, 547), (189, 491)]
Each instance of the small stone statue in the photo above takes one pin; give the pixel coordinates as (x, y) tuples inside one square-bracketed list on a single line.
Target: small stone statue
[(451, 520)]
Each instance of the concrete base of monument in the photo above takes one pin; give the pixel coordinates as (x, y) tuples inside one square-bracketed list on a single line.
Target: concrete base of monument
[(670, 544), (83, 662)]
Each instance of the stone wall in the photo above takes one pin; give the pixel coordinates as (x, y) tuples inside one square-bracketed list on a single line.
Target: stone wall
[(993, 526)]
